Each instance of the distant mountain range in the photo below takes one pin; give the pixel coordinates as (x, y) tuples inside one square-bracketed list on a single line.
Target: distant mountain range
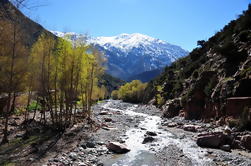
[(130, 55)]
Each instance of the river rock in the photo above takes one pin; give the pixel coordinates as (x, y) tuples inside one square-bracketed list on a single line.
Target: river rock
[(108, 119), (172, 124), (246, 141), (90, 144), (117, 147), (210, 140), (104, 113), (226, 148), (191, 128), (151, 133), (73, 156), (147, 140)]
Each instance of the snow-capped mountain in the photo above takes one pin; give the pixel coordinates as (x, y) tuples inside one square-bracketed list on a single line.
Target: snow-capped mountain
[(132, 54)]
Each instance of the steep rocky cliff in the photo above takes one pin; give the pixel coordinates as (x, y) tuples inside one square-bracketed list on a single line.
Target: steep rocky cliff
[(215, 74)]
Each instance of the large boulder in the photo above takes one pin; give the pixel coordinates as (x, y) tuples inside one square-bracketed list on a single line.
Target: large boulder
[(210, 140), (117, 147), (171, 108)]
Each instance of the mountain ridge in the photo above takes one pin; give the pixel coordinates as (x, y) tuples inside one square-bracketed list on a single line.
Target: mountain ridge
[(131, 54)]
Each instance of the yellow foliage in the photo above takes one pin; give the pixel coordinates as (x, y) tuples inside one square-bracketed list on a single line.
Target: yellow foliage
[(131, 92)]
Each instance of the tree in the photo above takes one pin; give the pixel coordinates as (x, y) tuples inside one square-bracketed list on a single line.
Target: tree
[(131, 92), (13, 66), (201, 43)]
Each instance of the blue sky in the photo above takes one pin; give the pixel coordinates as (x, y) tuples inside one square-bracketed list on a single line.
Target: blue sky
[(180, 22)]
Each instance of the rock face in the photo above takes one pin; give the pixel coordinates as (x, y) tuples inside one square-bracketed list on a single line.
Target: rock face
[(236, 105), (117, 147), (195, 106)]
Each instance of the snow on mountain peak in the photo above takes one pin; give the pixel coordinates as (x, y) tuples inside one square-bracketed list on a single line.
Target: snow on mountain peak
[(130, 54), (125, 41)]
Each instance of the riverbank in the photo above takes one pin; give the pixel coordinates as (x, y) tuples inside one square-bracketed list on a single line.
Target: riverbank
[(129, 124)]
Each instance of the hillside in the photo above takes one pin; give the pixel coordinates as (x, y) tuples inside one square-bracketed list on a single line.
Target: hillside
[(28, 29), (146, 76), (132, 54), (111, 83), (209, 82)]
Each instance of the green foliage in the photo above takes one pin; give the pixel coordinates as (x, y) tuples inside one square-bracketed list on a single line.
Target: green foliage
[(34, 105), (245, 72), (115, 94), (195, 74), (245, 36), (160, 100), (65, 75), (131, 92), (159, 96), (230, 51), (111, 83)]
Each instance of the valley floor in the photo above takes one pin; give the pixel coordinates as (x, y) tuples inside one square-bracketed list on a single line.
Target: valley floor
[(132, 124)]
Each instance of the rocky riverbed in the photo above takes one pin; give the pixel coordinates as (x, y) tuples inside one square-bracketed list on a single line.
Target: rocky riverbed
[(150, 140)]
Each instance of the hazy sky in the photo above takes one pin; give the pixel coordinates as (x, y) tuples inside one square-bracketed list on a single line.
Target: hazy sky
[(180, 22)]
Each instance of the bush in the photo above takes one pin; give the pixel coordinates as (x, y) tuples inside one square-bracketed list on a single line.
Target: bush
[(115, 95), (34, 105), (131, 92), (231, 52)]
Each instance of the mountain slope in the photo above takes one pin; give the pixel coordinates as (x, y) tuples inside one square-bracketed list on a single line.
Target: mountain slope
[(111, 83), (131, 54), (146, 76), (202, 83), (30, 30)]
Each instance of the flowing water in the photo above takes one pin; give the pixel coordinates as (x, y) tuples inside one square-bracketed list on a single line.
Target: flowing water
[(144, 154)]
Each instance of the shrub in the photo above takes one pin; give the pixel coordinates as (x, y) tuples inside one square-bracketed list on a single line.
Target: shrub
[(209, 87), (34, 105), (195, 74), (131, 92), (115, 94)]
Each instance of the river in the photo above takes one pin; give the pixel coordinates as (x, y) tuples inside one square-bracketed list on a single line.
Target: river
[(144, 154)]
